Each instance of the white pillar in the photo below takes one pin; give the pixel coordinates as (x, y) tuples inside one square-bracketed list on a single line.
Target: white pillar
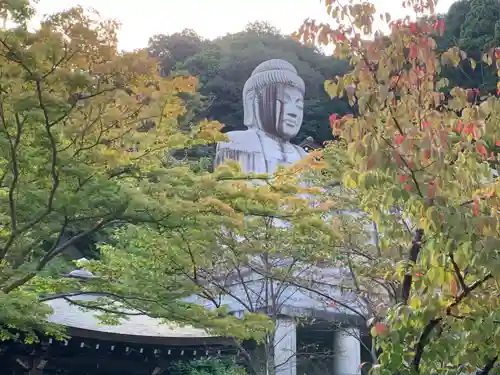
[(285, 347), (347, 359)]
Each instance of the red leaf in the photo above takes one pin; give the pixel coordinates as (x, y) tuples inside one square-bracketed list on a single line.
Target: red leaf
[(454, 288), (444, 138), (380, 328), (370, 162), (403, 179), (410, 145), (427, 154), (426, 124), (431, 190), (497, 143), (335, 121), (475, 207), (408, 187), (331, 304), (441, 27), (419, 274), (459, 126), (399, 160), (399, 139), (482, 150), (413, 51), (470, 129)]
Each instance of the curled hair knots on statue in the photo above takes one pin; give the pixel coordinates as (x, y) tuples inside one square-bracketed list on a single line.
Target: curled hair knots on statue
[(267, 73)]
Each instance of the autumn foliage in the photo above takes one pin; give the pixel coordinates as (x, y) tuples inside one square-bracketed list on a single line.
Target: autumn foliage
[(415, 159), (87, 137), (92, 162)]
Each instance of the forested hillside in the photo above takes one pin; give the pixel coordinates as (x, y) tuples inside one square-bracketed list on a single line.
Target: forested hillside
[(474, 27), (222, 65)]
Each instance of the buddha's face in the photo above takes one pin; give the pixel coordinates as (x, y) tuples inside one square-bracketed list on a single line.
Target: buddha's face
[(289, 119), (281, 109)]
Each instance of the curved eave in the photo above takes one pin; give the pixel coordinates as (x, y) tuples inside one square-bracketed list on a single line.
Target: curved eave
[(136, 329), (149, 340)]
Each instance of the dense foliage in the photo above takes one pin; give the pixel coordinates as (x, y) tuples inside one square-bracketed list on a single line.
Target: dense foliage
[(74, 158), (209, 366), (85, 134), (85, 138), (473, 26), (416, 163)]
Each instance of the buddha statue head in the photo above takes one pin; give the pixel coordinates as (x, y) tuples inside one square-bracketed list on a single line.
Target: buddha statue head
[(273, 99)]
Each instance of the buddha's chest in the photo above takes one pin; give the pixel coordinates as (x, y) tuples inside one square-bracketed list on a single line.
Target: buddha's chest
[(276, 155), (286, 158)]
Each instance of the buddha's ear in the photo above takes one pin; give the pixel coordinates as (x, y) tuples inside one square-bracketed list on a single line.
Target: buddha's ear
[(249, 108)]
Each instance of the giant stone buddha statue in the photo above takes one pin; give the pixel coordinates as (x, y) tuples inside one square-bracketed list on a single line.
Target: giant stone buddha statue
[(273, 104)]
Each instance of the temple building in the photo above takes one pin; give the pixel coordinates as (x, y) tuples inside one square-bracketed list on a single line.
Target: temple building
[(138, 346)]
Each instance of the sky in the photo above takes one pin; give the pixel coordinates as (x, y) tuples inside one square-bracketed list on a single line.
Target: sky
[(140, 19)]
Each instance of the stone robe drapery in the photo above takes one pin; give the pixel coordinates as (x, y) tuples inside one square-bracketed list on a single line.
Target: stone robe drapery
[(256, 152)]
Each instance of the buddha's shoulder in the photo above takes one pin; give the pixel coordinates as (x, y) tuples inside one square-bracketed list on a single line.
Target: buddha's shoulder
[(241, 140)]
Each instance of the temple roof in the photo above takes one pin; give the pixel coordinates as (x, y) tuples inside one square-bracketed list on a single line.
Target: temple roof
[(74, 316)]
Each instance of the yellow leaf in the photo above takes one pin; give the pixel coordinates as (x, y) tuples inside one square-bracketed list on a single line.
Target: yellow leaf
[(331, 88), (473, 64)]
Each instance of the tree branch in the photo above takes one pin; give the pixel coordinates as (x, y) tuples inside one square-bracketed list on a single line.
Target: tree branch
[(488, 366), (313, 290), (125, 300), (424, 337), (52, 254), (412, 257), (15, 177), (458, 273)]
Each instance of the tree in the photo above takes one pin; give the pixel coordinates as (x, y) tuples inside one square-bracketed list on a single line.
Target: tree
[(477, 32), (86, 135), (175, 48), (472, 26), (417, 165), (261, 269)]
